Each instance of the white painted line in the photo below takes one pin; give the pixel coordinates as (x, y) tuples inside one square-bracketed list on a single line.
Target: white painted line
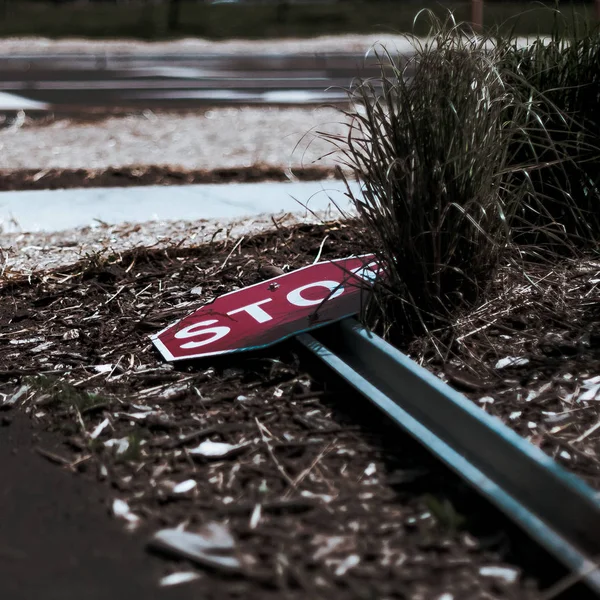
[(13, 102), (274, 96)]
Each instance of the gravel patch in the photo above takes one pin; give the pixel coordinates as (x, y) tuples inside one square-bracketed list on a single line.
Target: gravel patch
[(216, 138), (28, 253)]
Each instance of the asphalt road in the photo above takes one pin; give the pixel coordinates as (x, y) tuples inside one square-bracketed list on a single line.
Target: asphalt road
[(102, 81)]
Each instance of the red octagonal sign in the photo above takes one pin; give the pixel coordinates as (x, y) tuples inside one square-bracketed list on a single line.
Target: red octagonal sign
[(270, 311)]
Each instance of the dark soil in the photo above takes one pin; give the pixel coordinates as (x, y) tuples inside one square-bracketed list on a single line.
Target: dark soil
[(52, 179), (321, 496)]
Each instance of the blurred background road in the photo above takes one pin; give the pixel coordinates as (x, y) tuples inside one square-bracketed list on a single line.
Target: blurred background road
[(47, 61), (71, 81)]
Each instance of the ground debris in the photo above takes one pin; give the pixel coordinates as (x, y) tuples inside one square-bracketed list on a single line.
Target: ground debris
[(211, 545), (120, 445), (502, 573), (183, 487), (10, 400), (511, 361), (179, 578), (209, 449), (99, 428), (121, 510)]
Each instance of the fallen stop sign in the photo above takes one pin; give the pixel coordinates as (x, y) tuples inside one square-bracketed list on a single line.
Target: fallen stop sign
[(270, 311)]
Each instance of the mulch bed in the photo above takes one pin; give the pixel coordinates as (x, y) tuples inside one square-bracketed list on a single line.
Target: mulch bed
[(530, 355), (53, 179), (311, 496)]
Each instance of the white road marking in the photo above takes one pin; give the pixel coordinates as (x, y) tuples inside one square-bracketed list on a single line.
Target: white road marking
[(13, 102)]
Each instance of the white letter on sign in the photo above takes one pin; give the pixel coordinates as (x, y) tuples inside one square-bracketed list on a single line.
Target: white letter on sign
[(254, 310), (295, 296), (192, 331)]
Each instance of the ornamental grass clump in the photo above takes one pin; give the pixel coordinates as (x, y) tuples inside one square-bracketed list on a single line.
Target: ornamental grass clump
[(565, 72), (432, 142)]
